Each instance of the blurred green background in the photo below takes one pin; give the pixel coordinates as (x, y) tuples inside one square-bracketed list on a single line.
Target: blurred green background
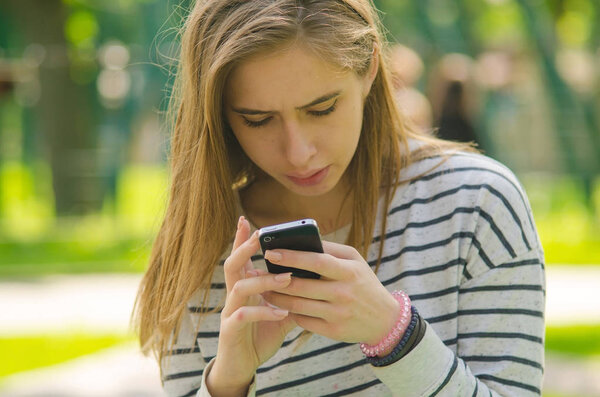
[(84, 85)]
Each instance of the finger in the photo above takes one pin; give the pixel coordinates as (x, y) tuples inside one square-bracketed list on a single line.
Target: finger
[(313, 324), (308, 307), (326, 265), (261, 272), (246, 229), (256, 272), (324, 290), (341, 251), (241, 233), (235, 264), (250, 314), (243, 289)]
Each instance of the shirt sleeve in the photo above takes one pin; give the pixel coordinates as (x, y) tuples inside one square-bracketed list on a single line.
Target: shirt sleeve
[(500, 312), (203, 392), (185, 369), (500, 349), (183, 366)]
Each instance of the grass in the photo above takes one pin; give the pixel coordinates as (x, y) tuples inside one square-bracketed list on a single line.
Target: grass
[(575, 341), (31, 352), (24, 353), (36, 258), (553, 394)]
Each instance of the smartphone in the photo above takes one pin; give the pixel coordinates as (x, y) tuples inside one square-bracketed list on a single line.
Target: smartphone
[(300, 235)]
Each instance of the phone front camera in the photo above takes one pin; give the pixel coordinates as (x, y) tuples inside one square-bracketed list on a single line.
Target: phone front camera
[(267, 239), (303, 222)]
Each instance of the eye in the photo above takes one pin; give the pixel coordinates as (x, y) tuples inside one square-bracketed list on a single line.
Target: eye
[(256, 124), (323, 112)]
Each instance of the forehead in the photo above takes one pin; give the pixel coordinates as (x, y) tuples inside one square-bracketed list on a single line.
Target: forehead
[(289, 77)]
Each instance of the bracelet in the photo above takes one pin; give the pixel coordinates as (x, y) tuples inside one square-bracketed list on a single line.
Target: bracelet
[(413, 341), (397, 331), (414, 331)]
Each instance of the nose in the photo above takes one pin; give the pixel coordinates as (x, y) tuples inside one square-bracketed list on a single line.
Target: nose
[(299, 145)]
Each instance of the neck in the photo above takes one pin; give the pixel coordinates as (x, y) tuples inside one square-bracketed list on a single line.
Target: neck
[(332, 210)]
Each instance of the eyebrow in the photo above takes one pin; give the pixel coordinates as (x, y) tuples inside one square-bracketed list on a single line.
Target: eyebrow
[(317, 101)]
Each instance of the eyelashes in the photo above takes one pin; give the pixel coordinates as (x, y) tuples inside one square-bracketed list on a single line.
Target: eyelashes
[(317, 113), (256, 124), (323, 112)]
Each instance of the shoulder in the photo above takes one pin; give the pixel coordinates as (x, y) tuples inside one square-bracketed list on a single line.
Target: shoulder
[(472, 174), (485, 193), (461, 167)]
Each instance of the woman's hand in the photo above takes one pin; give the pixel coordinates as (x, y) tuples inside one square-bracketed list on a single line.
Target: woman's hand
[(348, 303), (251, 330)]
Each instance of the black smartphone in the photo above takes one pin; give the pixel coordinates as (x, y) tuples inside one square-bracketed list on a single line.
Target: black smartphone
[(300, 235)]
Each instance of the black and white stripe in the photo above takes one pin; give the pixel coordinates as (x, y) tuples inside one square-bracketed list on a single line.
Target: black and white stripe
[(460, 240)]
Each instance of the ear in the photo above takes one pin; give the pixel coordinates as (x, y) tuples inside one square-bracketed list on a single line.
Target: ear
[(372, 72)]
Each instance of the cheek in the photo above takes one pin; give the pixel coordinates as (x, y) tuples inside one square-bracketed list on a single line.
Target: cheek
[(259, 149), (348, 126)]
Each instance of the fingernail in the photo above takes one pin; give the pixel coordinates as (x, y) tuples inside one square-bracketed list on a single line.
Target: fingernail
[(280, 312), (240, 222), (251, 273), (273, 256), (283, 277)]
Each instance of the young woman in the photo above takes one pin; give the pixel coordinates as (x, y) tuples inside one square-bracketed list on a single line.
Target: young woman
[(432, 280)]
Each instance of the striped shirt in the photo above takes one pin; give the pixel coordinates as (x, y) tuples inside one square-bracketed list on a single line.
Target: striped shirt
[(461, 241)]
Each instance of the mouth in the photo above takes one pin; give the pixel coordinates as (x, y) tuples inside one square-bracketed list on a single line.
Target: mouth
[(311, 178)]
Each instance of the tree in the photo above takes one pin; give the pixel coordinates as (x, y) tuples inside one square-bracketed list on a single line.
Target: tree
[(64, 111)]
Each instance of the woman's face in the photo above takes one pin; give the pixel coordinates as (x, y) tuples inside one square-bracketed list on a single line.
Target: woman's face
[(297, 117)]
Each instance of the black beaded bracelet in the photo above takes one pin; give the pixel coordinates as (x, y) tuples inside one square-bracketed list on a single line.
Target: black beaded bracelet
[(413, 341), (398, 350)]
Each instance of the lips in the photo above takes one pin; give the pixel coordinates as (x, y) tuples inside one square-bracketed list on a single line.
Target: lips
[(310, 178), (306, 175)]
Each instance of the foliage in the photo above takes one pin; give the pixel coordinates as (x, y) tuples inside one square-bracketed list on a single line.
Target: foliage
[(33, 242), (568, 223), (577, 340)]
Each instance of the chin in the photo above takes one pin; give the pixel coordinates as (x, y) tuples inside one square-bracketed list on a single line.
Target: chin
[(312, 192)]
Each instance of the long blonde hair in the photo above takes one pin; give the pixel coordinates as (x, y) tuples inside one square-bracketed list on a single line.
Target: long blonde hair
[(207, 162)]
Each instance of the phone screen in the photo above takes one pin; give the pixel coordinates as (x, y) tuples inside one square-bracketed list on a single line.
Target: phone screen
[(301, 235)]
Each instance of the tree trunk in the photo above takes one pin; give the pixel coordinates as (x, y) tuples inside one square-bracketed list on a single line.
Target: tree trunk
[(64, 111)]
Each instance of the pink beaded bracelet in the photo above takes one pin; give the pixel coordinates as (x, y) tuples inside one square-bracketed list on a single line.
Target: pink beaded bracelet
[(396, 333)]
